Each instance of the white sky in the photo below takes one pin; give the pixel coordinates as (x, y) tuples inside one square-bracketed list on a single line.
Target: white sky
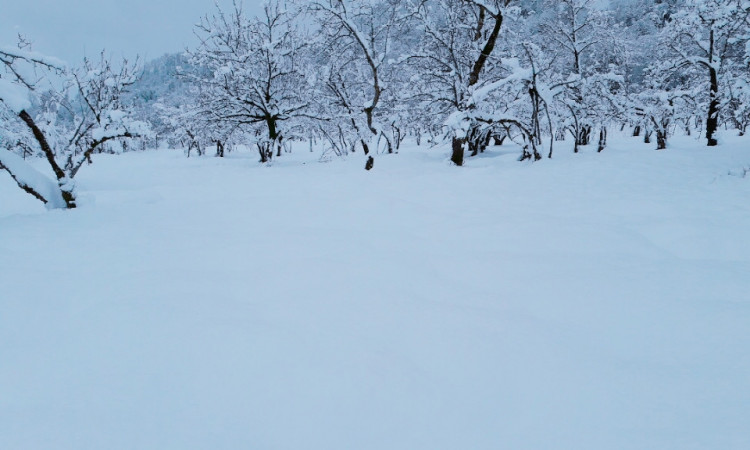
[(70, 29)]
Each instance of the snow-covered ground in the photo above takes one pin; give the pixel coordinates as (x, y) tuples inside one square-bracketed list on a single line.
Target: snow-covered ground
[(587, 302)]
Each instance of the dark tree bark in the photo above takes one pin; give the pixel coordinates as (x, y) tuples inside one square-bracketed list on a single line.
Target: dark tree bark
[(28, 189), (584, 135), (263, 152), (457, 155), (602, 140), (712, 122), (487, 50), (661, 140), (67, 195), (42, 141), (661, 128), (267, 149)]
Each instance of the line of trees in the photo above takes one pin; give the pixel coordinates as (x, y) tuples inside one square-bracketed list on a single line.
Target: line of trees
[(360, 75)]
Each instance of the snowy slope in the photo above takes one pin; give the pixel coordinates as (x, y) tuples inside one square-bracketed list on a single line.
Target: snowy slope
[(587, 302)]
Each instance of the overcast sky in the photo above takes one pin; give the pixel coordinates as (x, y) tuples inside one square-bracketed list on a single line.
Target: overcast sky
[(68, 29)]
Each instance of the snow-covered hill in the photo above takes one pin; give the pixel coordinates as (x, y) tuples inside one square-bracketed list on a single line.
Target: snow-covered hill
[(585, 302)]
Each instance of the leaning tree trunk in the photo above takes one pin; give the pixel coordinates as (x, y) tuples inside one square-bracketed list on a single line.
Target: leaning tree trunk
[(459, 144), (66, 184), (365, 147)]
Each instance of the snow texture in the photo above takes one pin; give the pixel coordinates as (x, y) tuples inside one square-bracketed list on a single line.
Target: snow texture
[(33, 56), (14, 96), (592, 301)]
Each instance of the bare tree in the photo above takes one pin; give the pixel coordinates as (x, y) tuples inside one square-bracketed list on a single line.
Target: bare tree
[(464, 78), (582, 39), (253, 75), (80, 113), (358, 42), (712, 37)]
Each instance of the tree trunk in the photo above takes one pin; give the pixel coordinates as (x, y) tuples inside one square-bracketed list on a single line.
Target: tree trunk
[(266, 149), (473, 141), (712, 122), (264, 152), (602, 140), (661, 127), (65, 183), (583, 135), (457, 156), (459, 144), (69, 197), (661, 139)]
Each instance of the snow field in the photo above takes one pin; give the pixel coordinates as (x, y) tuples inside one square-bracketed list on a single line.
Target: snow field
[(586, 302)]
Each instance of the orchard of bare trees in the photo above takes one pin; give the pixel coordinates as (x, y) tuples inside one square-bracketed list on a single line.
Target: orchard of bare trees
[(363, 75)]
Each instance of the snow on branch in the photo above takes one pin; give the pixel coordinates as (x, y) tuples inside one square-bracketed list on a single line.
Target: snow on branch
[(31, 180)]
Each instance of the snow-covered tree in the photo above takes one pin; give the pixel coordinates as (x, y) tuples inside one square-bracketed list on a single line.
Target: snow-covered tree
[(79, 113), (359, 46), (581, 38), (253, 74), (468, 75), (161, 95), (707, 40), (738, 106)]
